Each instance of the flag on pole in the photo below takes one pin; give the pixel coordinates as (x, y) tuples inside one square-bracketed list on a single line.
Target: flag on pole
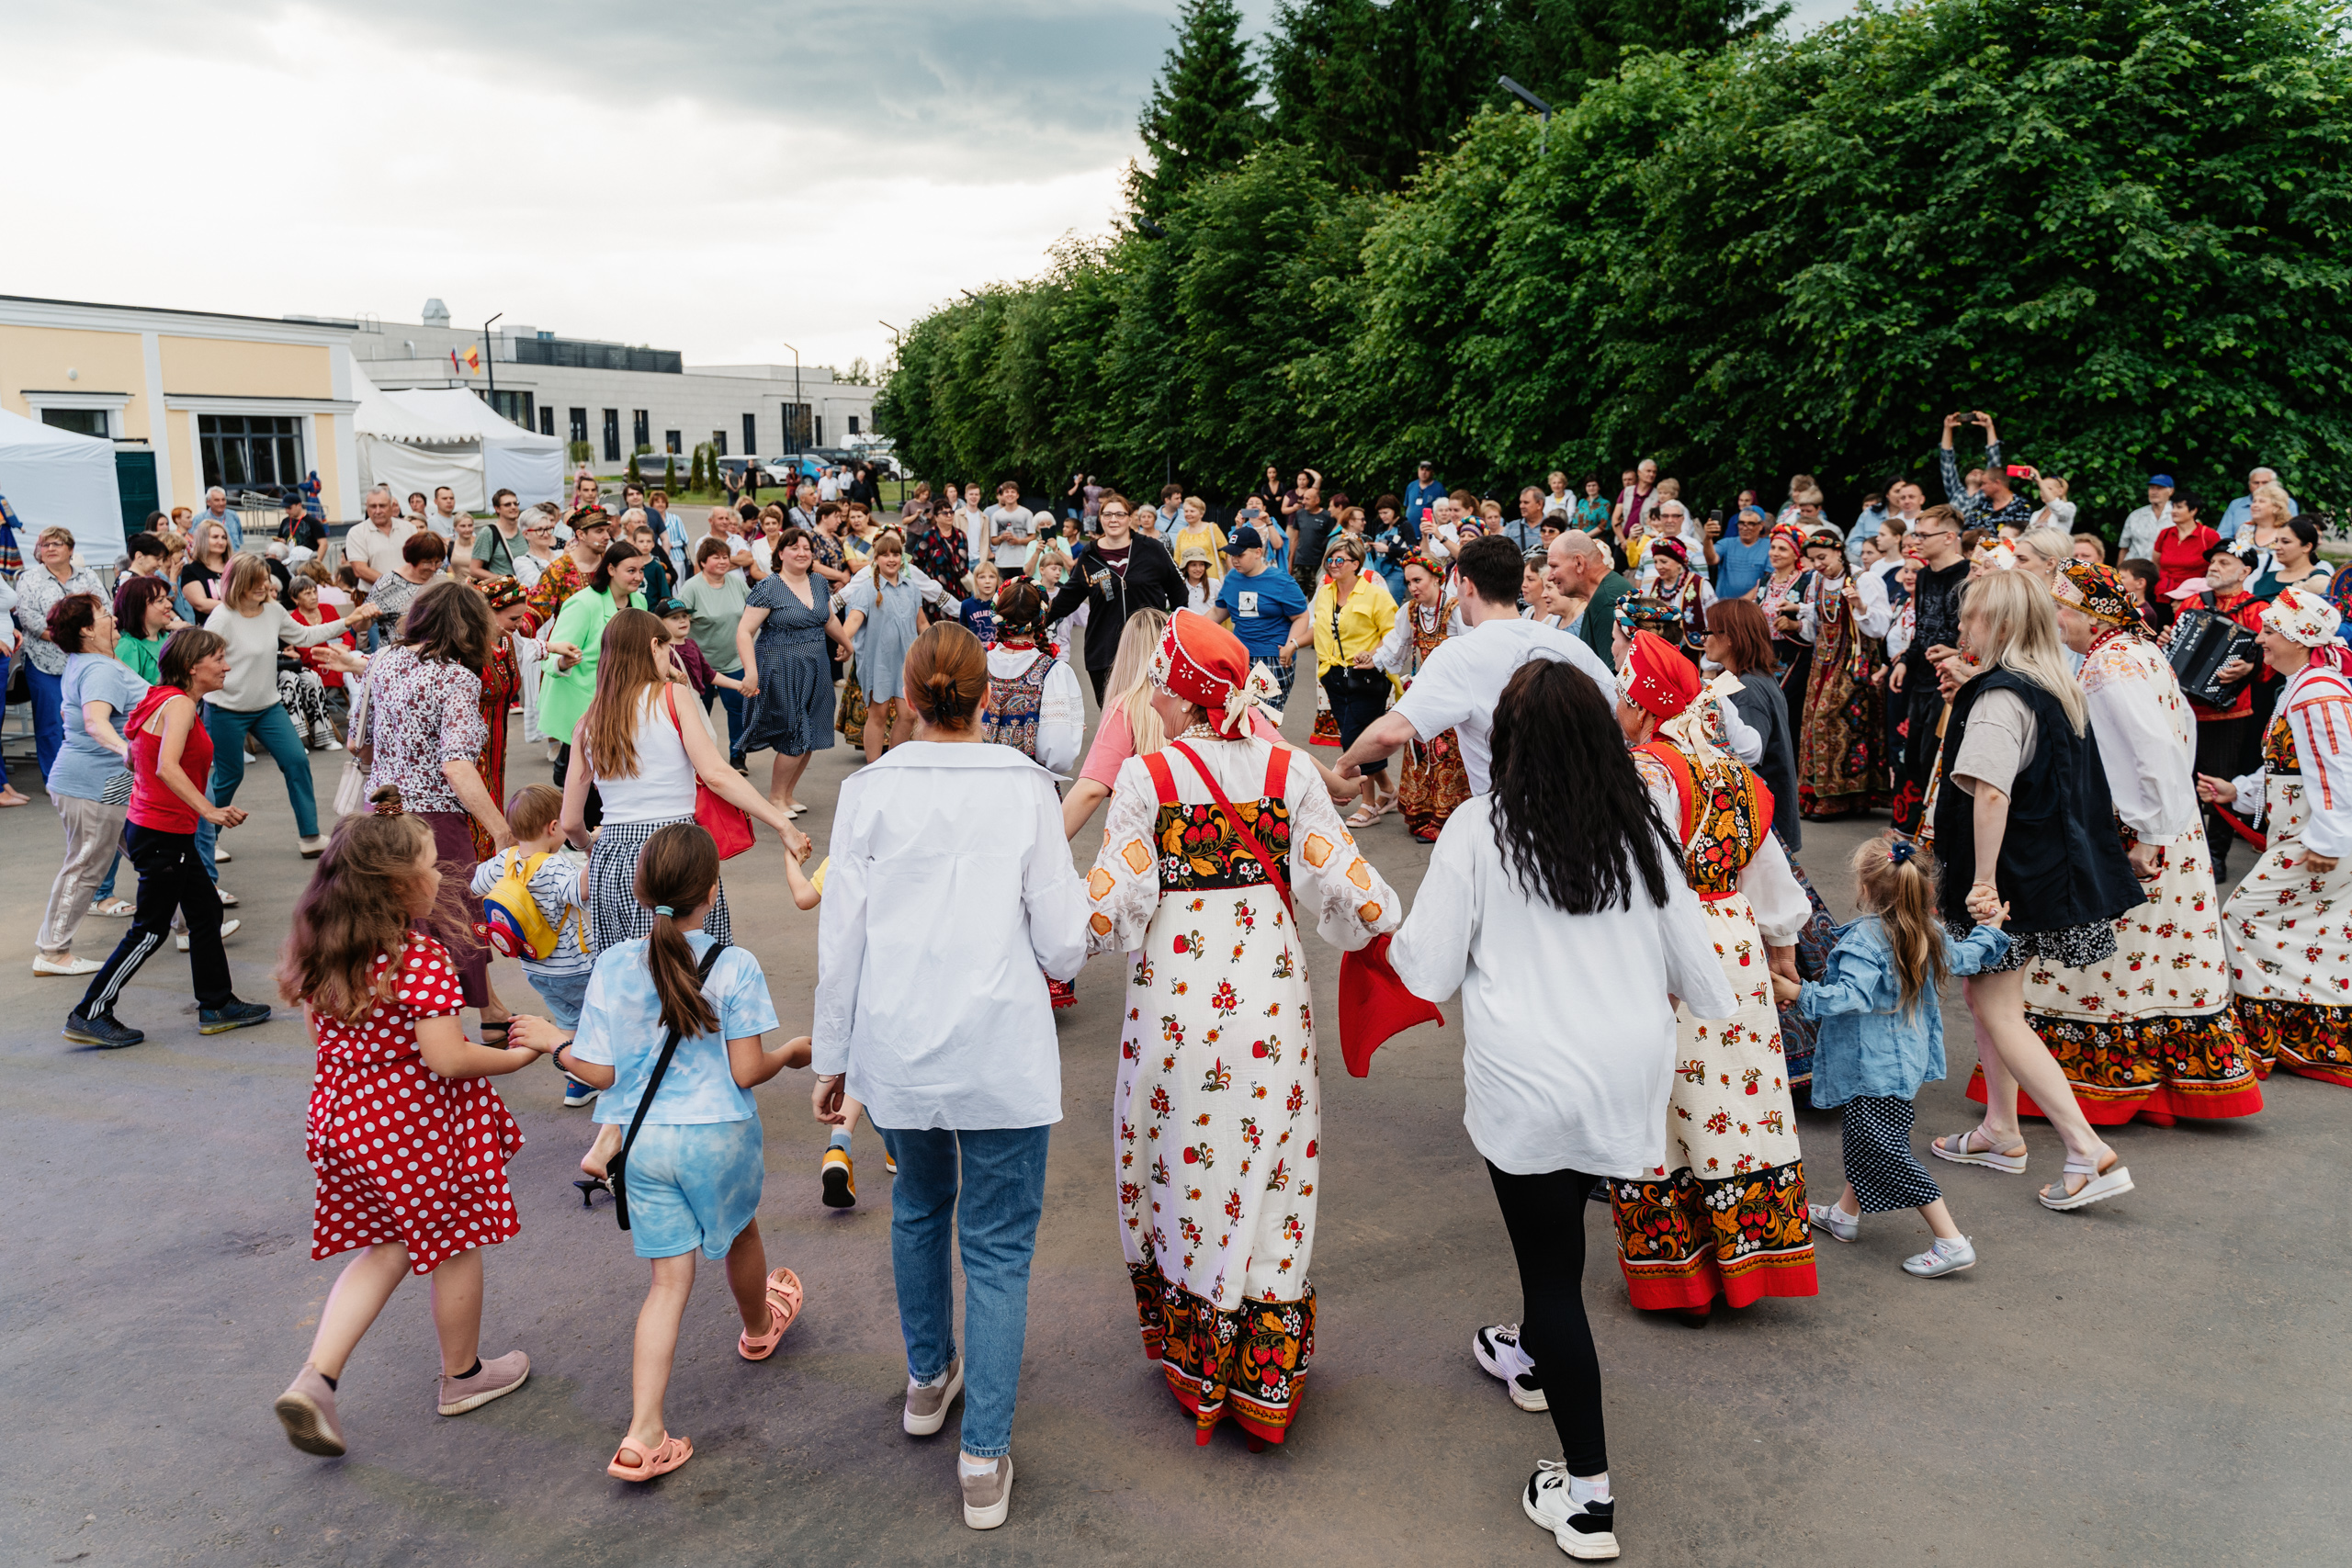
[(473, 357)]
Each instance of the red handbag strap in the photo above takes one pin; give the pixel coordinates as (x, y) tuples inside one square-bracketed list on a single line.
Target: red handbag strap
[(1273, 868)]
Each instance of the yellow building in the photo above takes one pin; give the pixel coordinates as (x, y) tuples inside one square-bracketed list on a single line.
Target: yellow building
[(232, 400)]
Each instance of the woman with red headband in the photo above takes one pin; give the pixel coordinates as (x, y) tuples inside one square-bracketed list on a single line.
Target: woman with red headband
[(1725, 1214), (1216, 848)]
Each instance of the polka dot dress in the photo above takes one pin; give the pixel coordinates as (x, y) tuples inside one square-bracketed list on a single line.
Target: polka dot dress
[(402, 1154), (1885, 1173)]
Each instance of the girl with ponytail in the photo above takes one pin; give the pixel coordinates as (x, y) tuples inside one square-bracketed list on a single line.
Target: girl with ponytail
[(692, 1174), (1883, 1036)]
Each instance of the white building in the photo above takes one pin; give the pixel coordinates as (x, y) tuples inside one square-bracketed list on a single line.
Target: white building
[(617, 399)]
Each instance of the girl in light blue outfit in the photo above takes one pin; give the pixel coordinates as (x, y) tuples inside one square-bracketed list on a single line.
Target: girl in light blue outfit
[(1883, 1036), (692, 1177)]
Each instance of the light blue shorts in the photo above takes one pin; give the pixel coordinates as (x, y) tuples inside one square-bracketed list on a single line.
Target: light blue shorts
[(562, 993), (695, 1186)]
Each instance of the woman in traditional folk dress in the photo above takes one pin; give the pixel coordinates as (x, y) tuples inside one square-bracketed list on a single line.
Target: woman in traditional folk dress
[(1726, 1212), (1218, 1110), (1837, 723), (1433, 780), (2290, 922), (2150, 1032), (502, 686), (1781, 596)]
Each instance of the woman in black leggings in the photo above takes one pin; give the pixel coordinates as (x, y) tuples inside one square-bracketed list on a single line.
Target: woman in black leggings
[(1565, 883)]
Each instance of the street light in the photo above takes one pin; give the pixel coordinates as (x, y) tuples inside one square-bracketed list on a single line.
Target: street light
[(1542, 136), (796, 405), (490, 348)]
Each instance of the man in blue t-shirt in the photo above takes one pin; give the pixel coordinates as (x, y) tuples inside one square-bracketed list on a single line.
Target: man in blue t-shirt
[(1741, 563), (1265, 608), (1420, 495)]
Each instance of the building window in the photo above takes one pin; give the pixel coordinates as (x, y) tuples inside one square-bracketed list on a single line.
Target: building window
[(671, 444), (719, 442), (81, 421), (546, 422), (580, 425), (641, 430), (250, 449), (796, 427), (612, 436), (520, 407), (751, 434), (819, 422), (853, 425)]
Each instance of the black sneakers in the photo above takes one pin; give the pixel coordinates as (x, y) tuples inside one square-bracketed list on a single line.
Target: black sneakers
[(236, 1015), (106, 1032)]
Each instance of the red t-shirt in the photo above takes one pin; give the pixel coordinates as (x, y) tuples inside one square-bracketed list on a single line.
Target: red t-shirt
[(2178, 560), (152, 803)]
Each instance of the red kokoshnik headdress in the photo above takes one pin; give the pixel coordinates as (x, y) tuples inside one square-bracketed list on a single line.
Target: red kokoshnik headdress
[(1202, 662)]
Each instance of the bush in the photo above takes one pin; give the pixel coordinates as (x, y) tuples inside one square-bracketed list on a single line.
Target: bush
[(670, 474)]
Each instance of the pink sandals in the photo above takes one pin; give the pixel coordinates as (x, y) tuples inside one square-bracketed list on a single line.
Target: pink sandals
[(667, 1456), (784, 1297)]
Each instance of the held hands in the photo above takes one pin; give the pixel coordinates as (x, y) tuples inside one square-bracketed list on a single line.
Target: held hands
[(2147, 861), (2215, 792), (1985, 905), (1786, 991), (797, 843), (1288, 656), (528, 1032), (565, 655), (2319, 865)]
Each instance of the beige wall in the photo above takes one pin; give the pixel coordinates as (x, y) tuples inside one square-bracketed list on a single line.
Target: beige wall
[(321, 455), (109, 362), (187, 473), (223, 367)]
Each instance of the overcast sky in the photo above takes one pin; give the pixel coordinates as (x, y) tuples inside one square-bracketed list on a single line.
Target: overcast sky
[(719, 178)]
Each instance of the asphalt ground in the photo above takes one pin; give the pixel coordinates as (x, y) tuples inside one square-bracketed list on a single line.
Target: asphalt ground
[(2156, 1380)]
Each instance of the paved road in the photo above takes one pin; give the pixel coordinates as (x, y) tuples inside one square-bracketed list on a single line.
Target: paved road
[(2156, 1380)]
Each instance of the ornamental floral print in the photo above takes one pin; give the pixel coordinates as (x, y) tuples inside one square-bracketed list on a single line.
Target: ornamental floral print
[(1216, 1113)]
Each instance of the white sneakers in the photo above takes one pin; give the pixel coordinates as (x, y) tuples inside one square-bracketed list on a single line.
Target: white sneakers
[(1498, 1350), (1586, 1531), (987, 1497), (313, 846)]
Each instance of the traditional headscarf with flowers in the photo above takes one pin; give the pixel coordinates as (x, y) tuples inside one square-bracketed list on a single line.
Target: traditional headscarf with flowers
[(503, 592), (2098, 593), (1202, 662), (2303, 616), (1789, 533)]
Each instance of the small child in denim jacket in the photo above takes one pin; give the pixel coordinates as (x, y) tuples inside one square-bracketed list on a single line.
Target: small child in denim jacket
[(1883, 1036)]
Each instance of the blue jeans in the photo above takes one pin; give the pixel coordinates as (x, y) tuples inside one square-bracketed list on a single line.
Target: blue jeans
[(732, 701), (995, 1206), (48, 724), (228, 729)]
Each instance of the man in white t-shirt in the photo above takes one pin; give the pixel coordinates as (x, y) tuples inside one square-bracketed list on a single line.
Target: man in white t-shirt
[(1010, 528), (1459, 687), (829, 487)]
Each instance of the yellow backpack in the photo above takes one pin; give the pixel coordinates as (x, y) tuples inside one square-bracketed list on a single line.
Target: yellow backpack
[(516, 926)]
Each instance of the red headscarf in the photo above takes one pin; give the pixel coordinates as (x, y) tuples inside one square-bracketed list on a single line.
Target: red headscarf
[(1202, 662), (1656, 679)]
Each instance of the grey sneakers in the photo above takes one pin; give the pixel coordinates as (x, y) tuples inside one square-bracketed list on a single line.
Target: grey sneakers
[(307, 1412), (927, 1407), (495, 1380), (987, 1498)]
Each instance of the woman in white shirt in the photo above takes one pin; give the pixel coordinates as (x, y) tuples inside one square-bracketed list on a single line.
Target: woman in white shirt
[(948, 862), (1557, 887)]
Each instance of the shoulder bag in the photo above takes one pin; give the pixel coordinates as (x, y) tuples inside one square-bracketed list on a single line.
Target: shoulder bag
[(729, 824), (615, 1177)]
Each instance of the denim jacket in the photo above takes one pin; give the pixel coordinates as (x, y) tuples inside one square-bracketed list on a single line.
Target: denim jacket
[(1866, 1046)]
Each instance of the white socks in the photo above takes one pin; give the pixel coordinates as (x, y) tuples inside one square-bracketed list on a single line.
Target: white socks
[(967, 1465), (1588, 1489)]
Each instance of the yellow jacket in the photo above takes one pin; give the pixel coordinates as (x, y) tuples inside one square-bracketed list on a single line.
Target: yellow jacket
[(1210, 537), (1363, 622)]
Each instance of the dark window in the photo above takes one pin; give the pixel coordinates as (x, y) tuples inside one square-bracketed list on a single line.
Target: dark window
[(751, 434), (795, 428), (580, 425), (250, 449), (820, 441), (520, 407), (641, 430), (719, 442), (570, 353), (670, 442), (853, 425), (612, 436), (546, 422), (81, 421)]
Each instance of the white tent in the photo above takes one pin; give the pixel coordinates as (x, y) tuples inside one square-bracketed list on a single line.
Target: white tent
[(56, 478), (512, 457), (410, 451)]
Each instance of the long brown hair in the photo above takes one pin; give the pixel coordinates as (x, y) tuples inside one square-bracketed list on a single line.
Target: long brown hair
[(676, 869), (356, 907), (450, 622), (1902, 893), (625, 672)]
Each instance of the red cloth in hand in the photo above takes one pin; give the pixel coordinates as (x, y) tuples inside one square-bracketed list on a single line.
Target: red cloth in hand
[(1374, 1004)]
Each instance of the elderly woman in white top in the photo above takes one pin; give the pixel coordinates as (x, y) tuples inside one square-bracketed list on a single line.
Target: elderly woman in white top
[(1531, 901), (951, 886)]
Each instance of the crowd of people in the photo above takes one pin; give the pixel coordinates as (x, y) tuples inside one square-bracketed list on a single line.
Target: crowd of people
[(1610, 719)]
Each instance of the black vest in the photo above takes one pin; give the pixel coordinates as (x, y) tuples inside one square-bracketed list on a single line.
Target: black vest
[(2061, 860)]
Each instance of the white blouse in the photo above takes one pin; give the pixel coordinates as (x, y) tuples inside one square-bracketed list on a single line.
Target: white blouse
[(1567, 1020), (2318, 706), (2147, 738), (1331, 883), (950, 888)]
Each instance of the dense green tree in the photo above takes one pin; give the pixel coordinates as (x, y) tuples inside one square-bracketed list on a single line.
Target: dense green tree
[(1203, 114)]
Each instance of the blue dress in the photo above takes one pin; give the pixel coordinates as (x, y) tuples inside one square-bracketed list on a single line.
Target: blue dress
[(891, 623), (794, 712)]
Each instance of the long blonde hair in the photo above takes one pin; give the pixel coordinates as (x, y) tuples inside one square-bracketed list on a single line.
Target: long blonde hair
[(1901, 894), (1128, 689), (2017, 629)]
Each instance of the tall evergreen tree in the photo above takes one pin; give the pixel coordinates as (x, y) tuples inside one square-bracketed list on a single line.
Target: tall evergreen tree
[(1203, 114)]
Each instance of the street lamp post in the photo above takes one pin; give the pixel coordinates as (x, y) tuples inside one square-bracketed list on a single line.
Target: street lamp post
[(797, 408), (490, 350), (1544, 136)]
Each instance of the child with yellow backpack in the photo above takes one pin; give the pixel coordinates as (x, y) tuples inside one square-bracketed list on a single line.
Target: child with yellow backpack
[(534, 906)]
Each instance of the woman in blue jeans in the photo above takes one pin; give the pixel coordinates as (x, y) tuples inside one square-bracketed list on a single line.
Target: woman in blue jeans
[(949, 862)]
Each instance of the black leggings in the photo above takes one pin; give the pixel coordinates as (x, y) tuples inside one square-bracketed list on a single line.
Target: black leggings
[(170, 878), (1546, 1217)]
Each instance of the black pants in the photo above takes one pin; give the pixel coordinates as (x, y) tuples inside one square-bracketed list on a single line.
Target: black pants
[(1358, 699), (592, 811), (1546, 1217), (1101, 678), (2220, 752), (1923, 706), (170, 878)]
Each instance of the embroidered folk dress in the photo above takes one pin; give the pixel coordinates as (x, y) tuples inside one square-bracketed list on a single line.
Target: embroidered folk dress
[(1725, 1215), (2150, 1032), (1036, 707), (1434, 780), (2291, 929), (1217, 1108), (1839, 727), (405, 1156)]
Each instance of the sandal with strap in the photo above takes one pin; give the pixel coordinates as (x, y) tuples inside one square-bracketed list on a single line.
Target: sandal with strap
[(1953, 1147), (662, 1459), (2112, 1179), (785, 1296)]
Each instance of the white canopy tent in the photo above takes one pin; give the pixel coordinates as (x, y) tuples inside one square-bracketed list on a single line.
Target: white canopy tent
[(512, 457), (56, 478), (407, 450)]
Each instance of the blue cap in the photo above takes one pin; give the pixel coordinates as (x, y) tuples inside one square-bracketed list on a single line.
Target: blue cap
[(2164, 479), (1243, 538)]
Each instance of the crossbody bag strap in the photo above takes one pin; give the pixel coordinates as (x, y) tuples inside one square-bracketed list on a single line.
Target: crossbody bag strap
[(615, 1168), (1274, 872)]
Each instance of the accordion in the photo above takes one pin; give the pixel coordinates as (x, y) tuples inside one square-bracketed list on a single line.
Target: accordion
[(2202, 641)]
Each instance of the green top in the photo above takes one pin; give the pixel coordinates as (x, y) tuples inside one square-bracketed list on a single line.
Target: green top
[(496, 551), (564, 695), (140, 654), (716, 612)]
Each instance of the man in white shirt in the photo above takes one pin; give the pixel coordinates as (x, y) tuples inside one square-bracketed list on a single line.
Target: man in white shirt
[(829, 485), (1011, 527), (2140, 529), (373, 548), (1459, 687)]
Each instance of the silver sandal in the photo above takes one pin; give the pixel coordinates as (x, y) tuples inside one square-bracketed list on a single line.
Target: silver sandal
[(2111, 1182), (1941, 1258), (2010, 1161)]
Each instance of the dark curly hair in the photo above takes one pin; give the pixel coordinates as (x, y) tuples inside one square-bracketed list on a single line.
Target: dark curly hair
[(70, 618), (1570, 818)]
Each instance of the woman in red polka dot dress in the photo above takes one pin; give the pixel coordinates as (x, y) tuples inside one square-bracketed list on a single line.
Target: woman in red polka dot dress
[(409, 1143)]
